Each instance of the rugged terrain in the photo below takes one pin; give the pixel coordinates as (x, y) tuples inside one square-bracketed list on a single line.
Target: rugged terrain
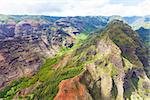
[(27, 40), (30, 41), (70, 58)]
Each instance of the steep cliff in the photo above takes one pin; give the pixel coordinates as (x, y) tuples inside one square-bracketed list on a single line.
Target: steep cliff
[(25, 45), (113, 66), (109, 65)]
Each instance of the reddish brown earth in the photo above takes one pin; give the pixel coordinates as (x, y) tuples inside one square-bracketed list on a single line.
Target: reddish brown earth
[(72, 89)]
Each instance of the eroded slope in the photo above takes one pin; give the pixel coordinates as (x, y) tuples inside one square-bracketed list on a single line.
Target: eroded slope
[(107, 66)]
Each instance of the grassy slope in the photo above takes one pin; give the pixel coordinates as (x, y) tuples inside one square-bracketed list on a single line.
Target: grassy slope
[(47, 78)]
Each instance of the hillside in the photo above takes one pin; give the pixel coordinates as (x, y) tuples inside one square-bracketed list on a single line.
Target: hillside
[(26, 41), (110, 64), (145, 35)]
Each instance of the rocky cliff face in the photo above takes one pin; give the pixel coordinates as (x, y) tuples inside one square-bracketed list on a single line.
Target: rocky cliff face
[(26, 44), (27, 40), (145, 36), (84, 24), (109, 73), (112, 64)]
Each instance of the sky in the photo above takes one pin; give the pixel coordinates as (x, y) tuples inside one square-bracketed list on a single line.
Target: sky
[(75, 7)]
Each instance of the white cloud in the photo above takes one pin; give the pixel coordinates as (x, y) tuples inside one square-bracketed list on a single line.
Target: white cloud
[(139, 9), (73, 7), (31, 6)]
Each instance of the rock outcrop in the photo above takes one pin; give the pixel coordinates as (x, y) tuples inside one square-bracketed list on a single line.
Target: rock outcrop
[(25, 45), (108, 73), (112, 64), (72, 89)]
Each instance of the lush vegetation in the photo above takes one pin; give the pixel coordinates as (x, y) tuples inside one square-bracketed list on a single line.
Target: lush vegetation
[(48, 77), (45, 83)]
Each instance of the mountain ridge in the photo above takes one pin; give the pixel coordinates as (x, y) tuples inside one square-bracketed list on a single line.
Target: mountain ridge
[(101, 66)]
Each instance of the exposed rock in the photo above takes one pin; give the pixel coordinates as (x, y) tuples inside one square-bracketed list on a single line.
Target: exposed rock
[(72, 89), (31, 41), (113, 64), (7, 30), (108, 75)]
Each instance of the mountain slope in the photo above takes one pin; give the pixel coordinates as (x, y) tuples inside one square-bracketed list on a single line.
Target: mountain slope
[(129, 42), (145, 35), (28, 40), (102, 66), (108, 74), (23, 52), (134, 21)]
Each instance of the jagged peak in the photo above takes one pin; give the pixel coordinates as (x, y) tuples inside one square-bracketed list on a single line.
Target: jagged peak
[(119, 24), (102, 56), (127, 40)]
